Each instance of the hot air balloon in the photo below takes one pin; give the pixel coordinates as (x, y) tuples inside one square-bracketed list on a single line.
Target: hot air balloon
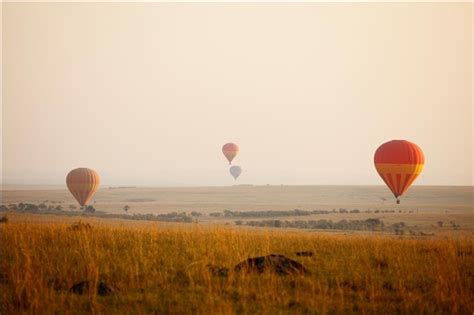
[(230, 150), (82, 183), (235, 171), (399, 162)]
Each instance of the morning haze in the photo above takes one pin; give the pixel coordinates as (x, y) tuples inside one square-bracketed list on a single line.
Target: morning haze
[(146, 94)]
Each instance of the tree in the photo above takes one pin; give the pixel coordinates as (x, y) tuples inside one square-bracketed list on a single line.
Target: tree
[(72, 207), (126, 208), (89, 209)]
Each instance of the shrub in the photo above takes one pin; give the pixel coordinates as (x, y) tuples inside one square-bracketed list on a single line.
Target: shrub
[(89, 209), (80, 226)]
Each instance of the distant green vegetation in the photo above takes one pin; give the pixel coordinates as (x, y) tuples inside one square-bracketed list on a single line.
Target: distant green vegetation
[(290, 213), (371, 224), (90, 211), (355, 225)]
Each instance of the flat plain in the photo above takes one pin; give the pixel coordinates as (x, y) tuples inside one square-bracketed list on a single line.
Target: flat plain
[(169, 267), (422, 207)]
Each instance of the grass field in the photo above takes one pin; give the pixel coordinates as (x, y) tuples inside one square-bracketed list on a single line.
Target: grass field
[(164, 268)]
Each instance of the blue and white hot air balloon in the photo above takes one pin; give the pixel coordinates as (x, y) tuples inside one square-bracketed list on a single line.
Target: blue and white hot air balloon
[(235, 171)]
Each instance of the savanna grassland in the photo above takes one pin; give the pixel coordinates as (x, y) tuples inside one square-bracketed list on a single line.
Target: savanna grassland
[(170, 268)]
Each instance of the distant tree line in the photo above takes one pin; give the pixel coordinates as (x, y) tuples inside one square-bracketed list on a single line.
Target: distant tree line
[(354, 225), (290, 213), (268, 213), (91, 211), (366, 225), (29, 207), (372, 224)]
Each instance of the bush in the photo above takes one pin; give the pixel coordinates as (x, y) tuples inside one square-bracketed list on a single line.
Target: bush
[(89, 209), (80, 226), (361, 225)]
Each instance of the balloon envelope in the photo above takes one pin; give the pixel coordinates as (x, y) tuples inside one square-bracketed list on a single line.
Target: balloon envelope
[(230, 150), (235, 171), (399, 162), (82, 183)]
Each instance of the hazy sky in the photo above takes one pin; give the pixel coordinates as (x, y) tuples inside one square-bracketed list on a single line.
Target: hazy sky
[(146, 94)]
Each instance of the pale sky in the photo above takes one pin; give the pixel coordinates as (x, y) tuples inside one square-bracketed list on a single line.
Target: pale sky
[(147, 94)]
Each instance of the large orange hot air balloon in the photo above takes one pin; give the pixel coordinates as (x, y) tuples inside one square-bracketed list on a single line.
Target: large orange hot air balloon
[(230, 150), (82, 183), (399, 162)]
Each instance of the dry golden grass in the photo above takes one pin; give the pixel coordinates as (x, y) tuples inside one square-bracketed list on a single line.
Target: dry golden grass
[(164, 269)]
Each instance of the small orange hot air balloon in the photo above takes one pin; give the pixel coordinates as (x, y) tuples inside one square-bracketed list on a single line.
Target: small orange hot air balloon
[(399, 162), (230, 150), (83, 183)]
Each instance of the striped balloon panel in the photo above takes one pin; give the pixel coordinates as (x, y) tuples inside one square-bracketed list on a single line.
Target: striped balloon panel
[(230, 150), (399, 152), (399, 162), (399, 177), (83, 183)]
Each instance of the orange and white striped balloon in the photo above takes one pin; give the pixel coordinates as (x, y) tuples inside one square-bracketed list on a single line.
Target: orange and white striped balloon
[(230, 150), (399, 162), (82, 183)]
